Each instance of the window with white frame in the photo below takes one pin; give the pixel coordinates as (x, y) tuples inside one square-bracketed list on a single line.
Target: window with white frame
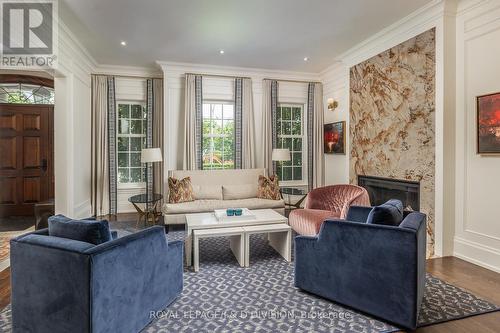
[(218, 135), (131, 138), (290, 130)]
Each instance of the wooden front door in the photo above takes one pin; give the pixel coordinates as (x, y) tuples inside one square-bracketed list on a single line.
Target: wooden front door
[(26, 155)]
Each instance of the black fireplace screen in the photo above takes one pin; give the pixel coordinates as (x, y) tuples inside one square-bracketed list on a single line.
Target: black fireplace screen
[(382, 189)]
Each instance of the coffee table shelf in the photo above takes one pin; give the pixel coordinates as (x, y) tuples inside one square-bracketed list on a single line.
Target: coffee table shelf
[(197, 222)]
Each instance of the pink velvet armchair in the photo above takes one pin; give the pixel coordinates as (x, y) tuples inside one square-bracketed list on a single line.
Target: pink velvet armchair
[(326, 202)]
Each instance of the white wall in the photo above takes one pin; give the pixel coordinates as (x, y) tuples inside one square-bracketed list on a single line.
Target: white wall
[(477, 227), (220, 88), (336, 85), (72, 117)]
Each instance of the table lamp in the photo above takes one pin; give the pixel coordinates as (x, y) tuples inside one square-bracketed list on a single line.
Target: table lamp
[(281, 155), (150, 155)]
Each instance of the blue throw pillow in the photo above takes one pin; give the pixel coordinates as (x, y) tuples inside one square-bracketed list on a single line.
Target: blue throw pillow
[(88, 230), (390, 213)]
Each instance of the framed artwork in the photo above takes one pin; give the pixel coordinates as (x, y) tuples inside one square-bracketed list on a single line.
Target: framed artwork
[(334, 138), (488, 124)]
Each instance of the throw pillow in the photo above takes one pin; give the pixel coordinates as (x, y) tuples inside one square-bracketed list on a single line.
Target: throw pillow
[(89, 231), (268, 188), (389, 213), (180, 190)]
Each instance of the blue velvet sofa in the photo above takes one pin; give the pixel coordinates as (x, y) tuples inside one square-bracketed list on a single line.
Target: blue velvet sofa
[(376, 269), (64, 285)]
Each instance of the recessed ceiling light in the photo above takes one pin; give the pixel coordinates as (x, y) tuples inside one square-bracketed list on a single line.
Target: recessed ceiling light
[(306, 59), (221, 51), (123, 43)]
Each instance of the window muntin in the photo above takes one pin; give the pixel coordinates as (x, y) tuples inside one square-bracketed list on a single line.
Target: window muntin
[(131, 138), (21, 93), (218, 135), (290, 130)]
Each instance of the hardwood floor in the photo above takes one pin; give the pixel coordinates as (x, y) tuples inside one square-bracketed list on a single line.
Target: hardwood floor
[(480, 281), (5, 288)]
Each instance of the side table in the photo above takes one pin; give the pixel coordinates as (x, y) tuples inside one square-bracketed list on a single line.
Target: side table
[(294, 191), (149, 214)]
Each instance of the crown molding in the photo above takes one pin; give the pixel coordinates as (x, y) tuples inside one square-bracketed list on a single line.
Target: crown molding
[(132, 71), (182, 67), (417, 22), (80, 51)]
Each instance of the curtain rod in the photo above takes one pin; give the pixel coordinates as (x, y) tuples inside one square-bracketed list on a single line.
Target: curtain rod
[(294, 81), (220, 75)]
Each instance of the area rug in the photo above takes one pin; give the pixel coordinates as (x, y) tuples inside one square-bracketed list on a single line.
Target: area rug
[(223, 297)]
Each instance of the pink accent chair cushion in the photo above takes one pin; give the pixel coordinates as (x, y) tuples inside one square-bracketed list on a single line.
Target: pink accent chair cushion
[(326, 202)]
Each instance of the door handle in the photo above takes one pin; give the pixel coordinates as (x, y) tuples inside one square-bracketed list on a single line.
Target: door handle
[(44, 165)]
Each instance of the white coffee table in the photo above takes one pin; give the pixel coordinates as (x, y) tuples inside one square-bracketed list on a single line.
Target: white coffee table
[(207, 221)]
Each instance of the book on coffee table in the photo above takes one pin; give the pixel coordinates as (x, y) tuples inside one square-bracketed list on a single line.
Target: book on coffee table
[(221, 215)]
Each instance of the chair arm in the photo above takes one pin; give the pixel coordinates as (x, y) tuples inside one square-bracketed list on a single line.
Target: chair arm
[(141, 268), (50, 284), (358, 214), (122, 241), (363, 266)]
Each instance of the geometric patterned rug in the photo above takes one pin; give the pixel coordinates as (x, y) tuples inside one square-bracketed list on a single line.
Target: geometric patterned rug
[(223, 297)]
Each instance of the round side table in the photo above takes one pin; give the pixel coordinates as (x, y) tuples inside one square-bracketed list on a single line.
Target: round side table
[(294, 191), (149, 214)]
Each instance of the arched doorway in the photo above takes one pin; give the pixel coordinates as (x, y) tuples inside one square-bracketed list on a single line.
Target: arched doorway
[(26, 145)]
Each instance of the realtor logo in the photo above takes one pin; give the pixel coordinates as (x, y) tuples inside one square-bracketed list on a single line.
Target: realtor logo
[(29, 33)]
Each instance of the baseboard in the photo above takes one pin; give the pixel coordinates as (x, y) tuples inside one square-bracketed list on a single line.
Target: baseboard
[(476, 253), (83, 210)]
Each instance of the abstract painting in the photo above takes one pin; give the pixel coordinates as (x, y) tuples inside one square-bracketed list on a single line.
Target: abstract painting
[(488, 124), (334, 138)]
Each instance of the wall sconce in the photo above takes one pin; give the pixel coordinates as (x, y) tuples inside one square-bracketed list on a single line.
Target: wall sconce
[(332, 105)]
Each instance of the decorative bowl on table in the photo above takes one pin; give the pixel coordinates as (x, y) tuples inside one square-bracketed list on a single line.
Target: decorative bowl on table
[(232, 214)]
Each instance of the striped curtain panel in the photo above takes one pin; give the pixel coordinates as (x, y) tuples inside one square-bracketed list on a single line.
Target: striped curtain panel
[(238, 122), (149, 137), (193, 103), (269, 135), (244, 129), (248, 160), (154, 135), (103, 142), (274, 108), (158, 135), (315, 116)]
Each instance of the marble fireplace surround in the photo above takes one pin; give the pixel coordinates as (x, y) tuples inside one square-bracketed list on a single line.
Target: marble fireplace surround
[(392, 119)]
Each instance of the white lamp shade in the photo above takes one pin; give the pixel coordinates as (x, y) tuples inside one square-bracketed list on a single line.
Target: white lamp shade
[(281, 154), (149, 155)]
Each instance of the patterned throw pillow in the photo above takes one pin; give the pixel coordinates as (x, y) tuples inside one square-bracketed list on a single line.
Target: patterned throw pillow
[(268, 188), (180, 190)]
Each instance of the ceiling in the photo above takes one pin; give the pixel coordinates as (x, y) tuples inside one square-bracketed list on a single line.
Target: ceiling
[(271, 34)]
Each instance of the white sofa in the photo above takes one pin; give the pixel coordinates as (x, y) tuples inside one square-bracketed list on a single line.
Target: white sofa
[(219, 189)]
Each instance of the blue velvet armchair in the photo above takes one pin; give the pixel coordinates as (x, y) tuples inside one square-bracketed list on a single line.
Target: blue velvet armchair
[(63, 285), (377, 269)]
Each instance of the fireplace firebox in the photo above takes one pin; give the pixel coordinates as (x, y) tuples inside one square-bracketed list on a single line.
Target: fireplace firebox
[(382, 189)]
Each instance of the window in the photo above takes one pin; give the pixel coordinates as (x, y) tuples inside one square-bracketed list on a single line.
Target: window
[(20, 93), (290, 131), (131, 137), (218, 135)]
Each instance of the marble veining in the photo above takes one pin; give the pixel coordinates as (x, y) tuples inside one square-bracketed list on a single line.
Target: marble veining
[(392, 118)]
